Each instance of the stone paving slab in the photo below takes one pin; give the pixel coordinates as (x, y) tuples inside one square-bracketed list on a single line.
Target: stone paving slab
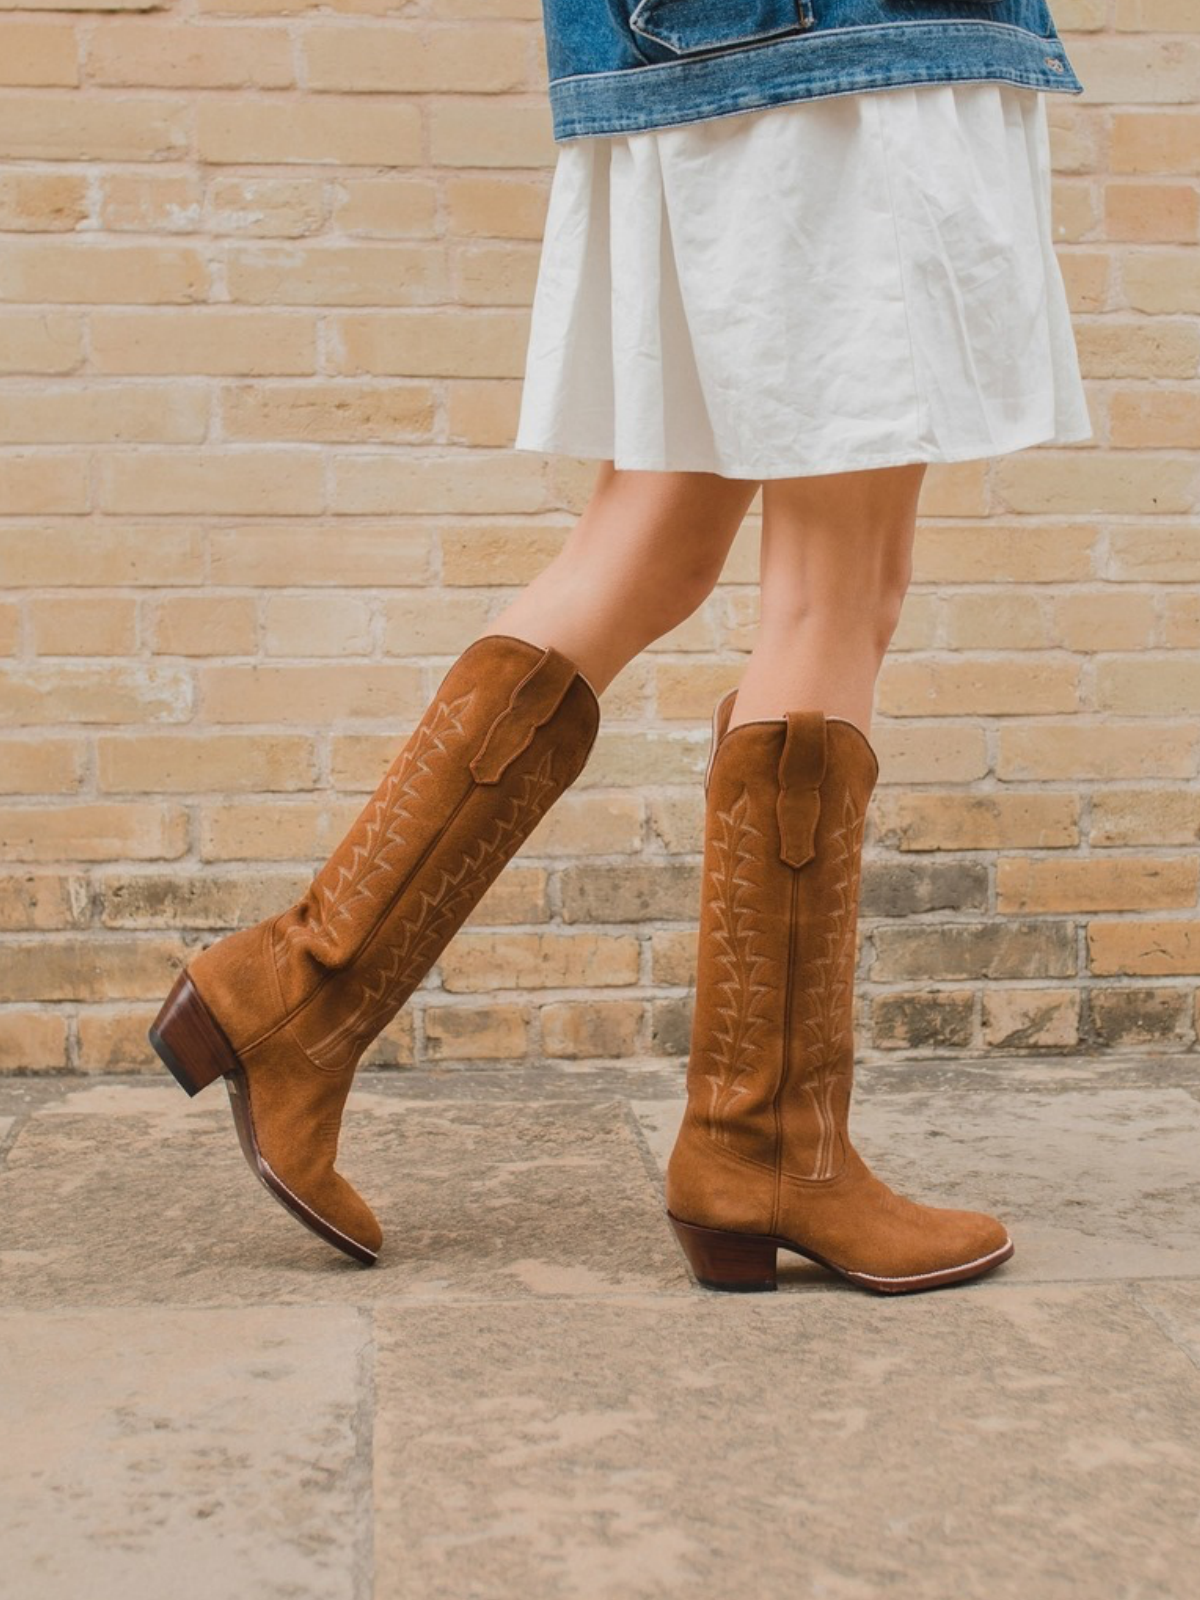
[(144, 1197), (1093, 1184), (1031, 1443), (196, 1454)]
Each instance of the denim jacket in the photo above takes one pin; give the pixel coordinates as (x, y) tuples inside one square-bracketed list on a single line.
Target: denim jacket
[(620, 65)]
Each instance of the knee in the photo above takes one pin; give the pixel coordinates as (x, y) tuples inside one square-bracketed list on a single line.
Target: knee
[(675, 593)]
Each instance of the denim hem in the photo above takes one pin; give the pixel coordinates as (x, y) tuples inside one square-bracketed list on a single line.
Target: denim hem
[(845, 61)]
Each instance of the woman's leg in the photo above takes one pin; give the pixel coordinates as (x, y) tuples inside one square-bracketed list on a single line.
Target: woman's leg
[(764, 1155), (835, 566), (645, 553)]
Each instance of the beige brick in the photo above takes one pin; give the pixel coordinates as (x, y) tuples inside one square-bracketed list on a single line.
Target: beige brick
[(498, 552), (483, 412), (952, 685), (151, 202), (317, 625), (1079, 16), (689, 690), (205, 625), (644, 760), (1158, 554), (218, 763), (212, 482), (40, 765), (40, 341), (209, 899), (414, 58), (476, 961), (112, 1040), (42, 900), (933, 1019), (1114, 883), (1157, 16), (498, 207), (458, 344), (1015, 619), (1141, 419), (1180, 622), (335, 274), (310, 694), (85, 557), (470, 132), (32, 1041), (83, 128), (264, 207), (1133, 70), (1155, 141), (1162, 212), (1143, 948), (204, 56), (927, 820), (350, 413), (1088, 278), (652, 890), (136, 831), (413, 627), (1046, 482), (82, 967), (348, 129), (33, 485), (38, 54), (1145, 816), (1080, 749), (519, 895), (494, 272), (356, 554), (1003, 552), (95, 273), (209, 340), (1166, 347), (10, 627), (391, 207), (1110, 619), (1134, 1016), (1031, 1019), (1155, 685), (976, 950), (442, 483), (41, 202), (300, 830), (476, 1033), (673, 956), (93, 626), (126, 412), (1162, 283), (83, 5), (91, 693), (605, 1030)]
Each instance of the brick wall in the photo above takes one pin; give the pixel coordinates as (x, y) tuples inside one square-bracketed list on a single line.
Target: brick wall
[(265, 271)]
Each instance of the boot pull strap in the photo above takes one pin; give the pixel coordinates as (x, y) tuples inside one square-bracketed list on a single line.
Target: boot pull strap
[(533, 701), (801, 771), (720, 720)]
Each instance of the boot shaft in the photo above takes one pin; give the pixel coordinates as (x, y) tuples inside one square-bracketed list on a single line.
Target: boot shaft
[(770, 1067)]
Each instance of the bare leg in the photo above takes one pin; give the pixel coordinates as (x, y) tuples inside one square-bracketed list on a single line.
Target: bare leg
[(646, 551), (835, 566)]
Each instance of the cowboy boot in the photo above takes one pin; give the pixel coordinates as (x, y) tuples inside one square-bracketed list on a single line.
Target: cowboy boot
[(284, 1010), (763, 1160)]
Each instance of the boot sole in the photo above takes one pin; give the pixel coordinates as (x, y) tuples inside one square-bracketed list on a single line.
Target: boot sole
[(745, 1263), (188, 1040)]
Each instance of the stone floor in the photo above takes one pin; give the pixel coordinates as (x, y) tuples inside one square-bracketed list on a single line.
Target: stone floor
[(529, 1399)]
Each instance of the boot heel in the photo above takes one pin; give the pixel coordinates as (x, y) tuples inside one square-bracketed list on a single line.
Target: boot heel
[(186, 1037), (742, 1262)]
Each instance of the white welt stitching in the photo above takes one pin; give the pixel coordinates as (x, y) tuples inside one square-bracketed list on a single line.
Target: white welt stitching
[(309, 1212), (915, 1277)]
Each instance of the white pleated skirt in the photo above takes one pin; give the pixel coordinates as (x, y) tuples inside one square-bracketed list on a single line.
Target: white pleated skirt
[(823, 286)]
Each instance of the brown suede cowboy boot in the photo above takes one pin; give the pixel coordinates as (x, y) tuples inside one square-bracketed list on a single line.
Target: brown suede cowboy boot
[(284, 1010), (763, 1160)]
